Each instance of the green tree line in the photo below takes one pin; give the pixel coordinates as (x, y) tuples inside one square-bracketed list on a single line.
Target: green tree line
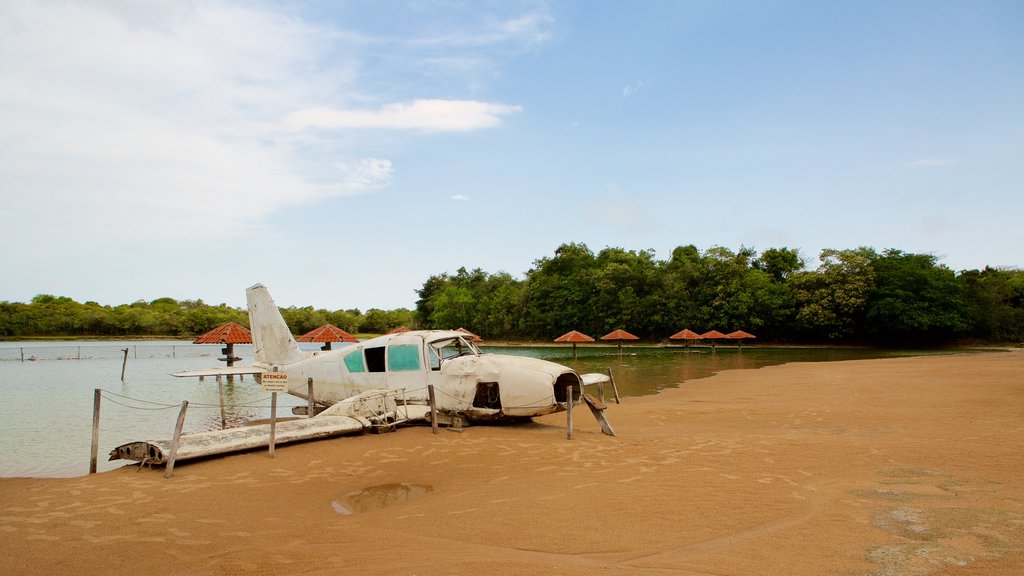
[(853, 296), (59, 316)]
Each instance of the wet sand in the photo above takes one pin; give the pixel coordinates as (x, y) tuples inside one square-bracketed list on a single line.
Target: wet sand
[(868, 467)]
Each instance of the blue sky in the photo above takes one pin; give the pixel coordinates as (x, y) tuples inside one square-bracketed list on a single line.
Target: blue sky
[(343, 152)]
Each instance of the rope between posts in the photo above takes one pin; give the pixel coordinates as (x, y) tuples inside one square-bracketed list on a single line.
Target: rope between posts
[(156, 405)]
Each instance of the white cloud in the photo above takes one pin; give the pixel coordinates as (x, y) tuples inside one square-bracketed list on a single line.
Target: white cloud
[(425, 115), (161, 123), (460, 197), (633, 88)]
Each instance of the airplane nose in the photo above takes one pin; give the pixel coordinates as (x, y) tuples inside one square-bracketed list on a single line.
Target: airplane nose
[(568, 385)]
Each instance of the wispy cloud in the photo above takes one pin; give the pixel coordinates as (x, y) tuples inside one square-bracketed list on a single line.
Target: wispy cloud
[(633, 88), (425, 115), (619, 211), (175, 121), (460, 197), (929, 162)]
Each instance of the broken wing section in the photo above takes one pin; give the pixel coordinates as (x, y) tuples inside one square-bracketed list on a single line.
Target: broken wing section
[(223, 371)]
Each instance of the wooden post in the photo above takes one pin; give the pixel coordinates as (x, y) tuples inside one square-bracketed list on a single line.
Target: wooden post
[(124, 364), (615, 388), (433, 408), (273, 421), (223, 412), (309, 398), (95, 430), (177, 438), (23, 354), (568, 411)]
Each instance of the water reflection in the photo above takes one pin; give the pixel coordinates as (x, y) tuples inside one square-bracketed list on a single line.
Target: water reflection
[(378, 497), (641, 371), (47, 407)]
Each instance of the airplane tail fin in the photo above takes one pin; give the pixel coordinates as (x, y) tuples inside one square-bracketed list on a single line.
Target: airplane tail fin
[(271, 339)]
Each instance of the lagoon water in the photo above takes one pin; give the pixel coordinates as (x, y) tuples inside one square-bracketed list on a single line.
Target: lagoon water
[(46, 412)]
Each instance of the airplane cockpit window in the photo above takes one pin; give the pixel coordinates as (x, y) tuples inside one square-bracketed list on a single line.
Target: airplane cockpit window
[(450, 348), (403, 357), (354, 361)]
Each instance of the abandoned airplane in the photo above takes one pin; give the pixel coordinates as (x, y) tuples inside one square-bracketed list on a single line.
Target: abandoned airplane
[(384, 381)]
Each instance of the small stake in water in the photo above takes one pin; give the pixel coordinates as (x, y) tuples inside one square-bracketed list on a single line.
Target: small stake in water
[(124, 364)]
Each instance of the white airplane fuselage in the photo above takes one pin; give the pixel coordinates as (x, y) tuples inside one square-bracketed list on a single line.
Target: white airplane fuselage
[(466, 382)]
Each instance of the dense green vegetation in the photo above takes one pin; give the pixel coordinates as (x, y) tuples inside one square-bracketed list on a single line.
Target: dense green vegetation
[(60, 316), (854, 296)]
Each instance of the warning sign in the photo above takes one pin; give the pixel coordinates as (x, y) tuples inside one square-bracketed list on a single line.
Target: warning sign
[(274, 382)]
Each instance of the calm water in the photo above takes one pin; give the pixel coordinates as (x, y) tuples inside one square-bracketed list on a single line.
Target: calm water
[(46, 414)]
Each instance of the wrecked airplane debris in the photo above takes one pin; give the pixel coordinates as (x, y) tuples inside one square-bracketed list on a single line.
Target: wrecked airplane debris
[(468, 385)]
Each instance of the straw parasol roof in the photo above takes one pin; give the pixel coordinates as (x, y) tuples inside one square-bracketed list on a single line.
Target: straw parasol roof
[(473, 337), (619, 335), (685, 334), (327, 333), (712, 335), (399, 330), (227, 333), (739, 335), (574, 337)]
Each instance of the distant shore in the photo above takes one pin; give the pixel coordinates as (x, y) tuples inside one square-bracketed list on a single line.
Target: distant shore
[(865, 467)]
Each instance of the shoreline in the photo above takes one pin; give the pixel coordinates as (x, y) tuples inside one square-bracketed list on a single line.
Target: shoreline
[(887, 466)]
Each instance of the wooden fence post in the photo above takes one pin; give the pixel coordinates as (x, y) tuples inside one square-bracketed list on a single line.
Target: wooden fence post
[(615, 388), (223, 412), (124, 364), (273, 421), (177, 438), (309, 398), (568, 411), (433, 408), (95, 430)]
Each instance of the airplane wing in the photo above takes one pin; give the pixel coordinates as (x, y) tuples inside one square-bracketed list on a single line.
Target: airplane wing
[(223, 371)]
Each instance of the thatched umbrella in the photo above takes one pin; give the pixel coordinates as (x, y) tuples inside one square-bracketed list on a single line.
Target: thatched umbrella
[(327, 333), (229, 334), (472, 337), (686, 335), (399, 330), (739, 336), (619, 335), (574, 337), (712, 335)]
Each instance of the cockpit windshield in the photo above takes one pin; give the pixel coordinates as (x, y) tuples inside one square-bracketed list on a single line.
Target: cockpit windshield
[(453, 347)]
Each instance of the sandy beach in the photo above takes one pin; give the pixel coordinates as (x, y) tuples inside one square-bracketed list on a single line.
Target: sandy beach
[(872, 467)]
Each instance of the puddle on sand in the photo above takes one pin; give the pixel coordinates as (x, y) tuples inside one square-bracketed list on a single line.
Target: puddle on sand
[(378, 497)]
